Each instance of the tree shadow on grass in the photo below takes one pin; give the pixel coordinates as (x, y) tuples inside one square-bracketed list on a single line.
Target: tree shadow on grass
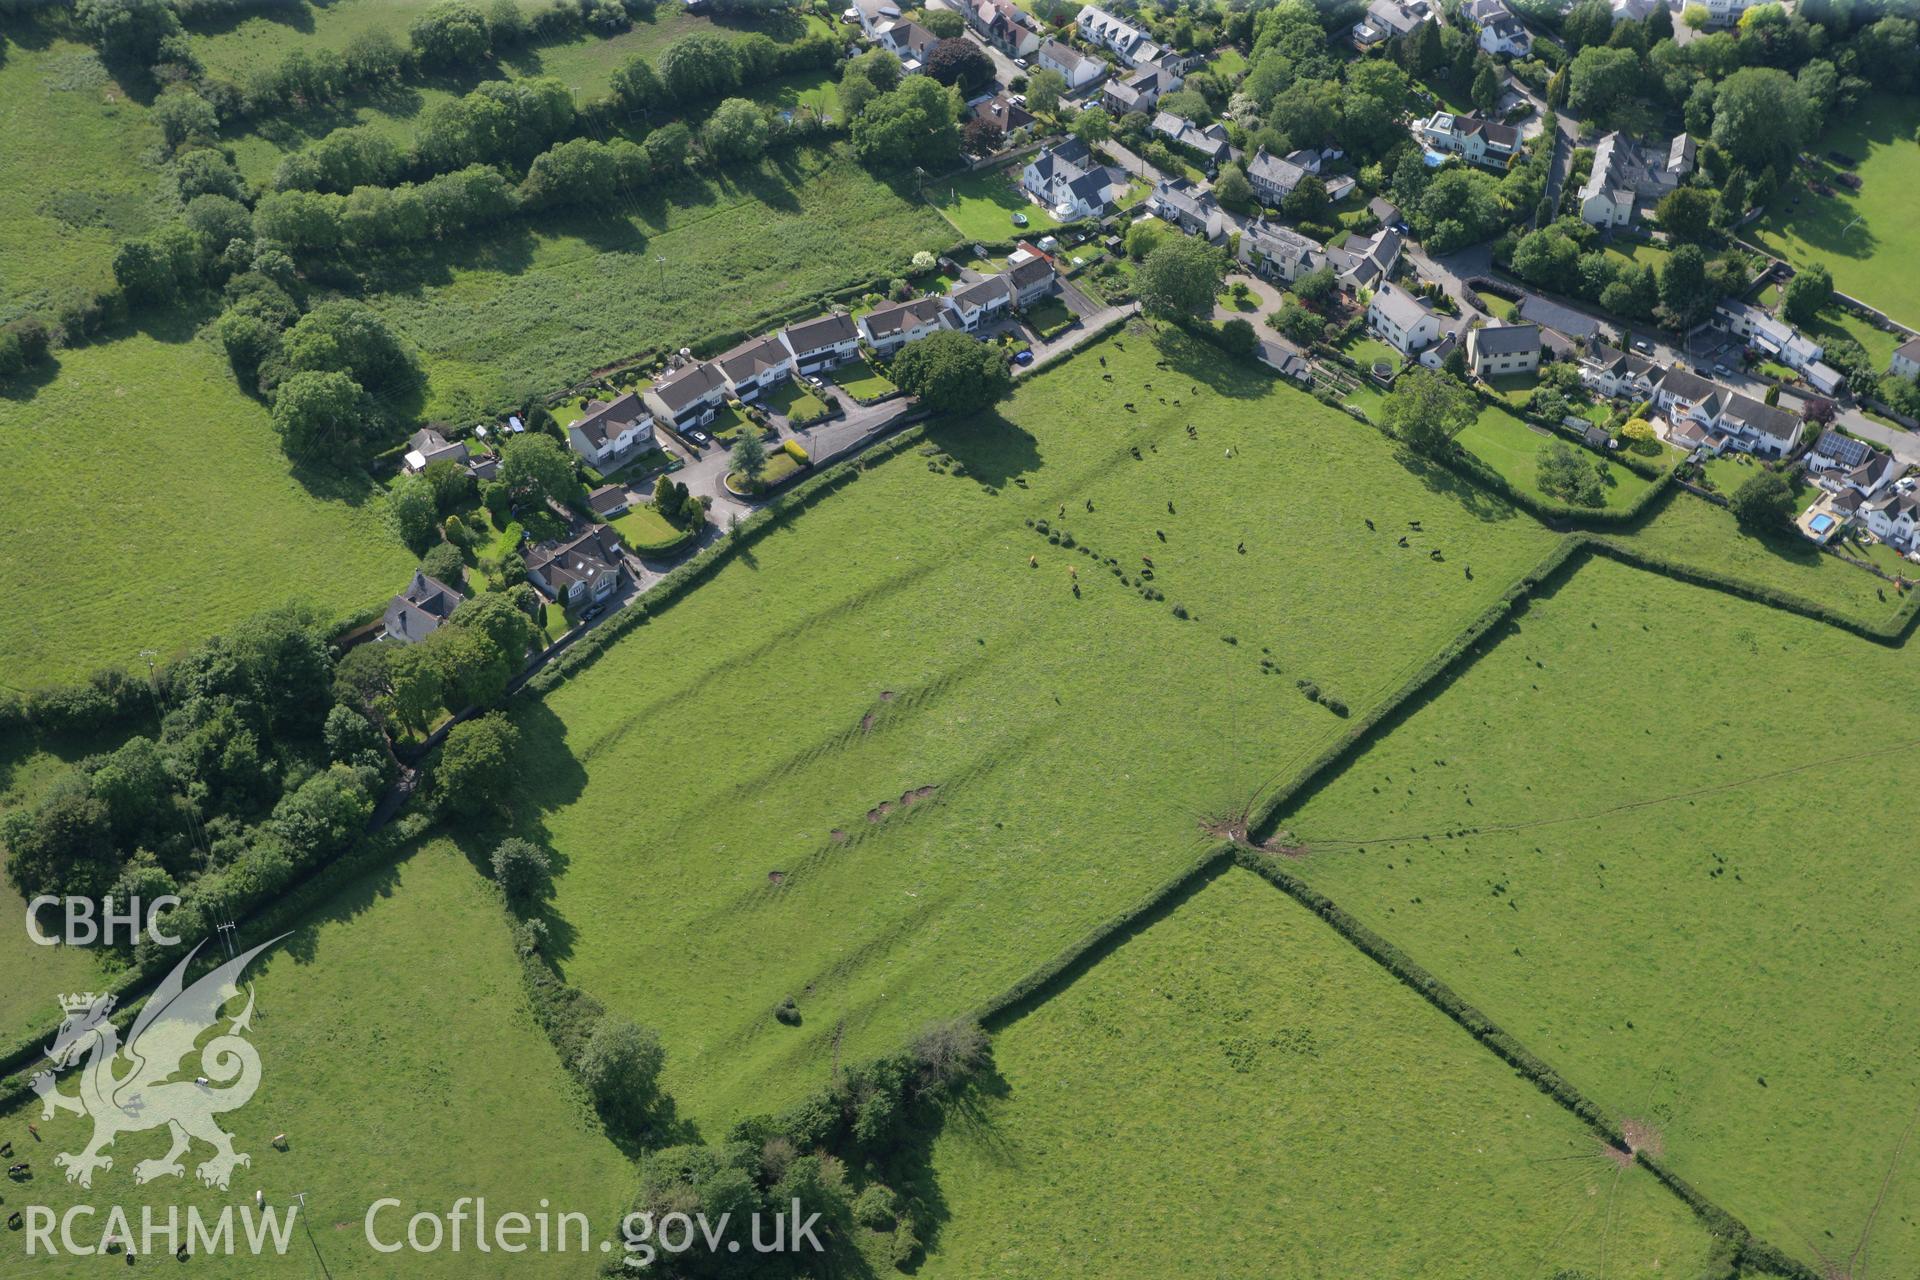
[(344, 905), (993, 449), (1184, 356), (22, 387), (1443, 482), (293, 14)]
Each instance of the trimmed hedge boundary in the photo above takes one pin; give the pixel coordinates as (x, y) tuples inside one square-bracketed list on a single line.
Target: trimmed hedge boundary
[(1475, 471)]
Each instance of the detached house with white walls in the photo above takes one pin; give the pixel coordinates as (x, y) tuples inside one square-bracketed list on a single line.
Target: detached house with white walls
[(610, 430), (1071, 184), (893, 325), (1499, 351), (1403, 321), (754, 366), (1080, 70), (1481, 141), (689, 396), (1277, 252), (821, 343)]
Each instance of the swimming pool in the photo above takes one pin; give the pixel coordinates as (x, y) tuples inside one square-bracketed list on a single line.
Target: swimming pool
[(1434, 158), (1821, 523)]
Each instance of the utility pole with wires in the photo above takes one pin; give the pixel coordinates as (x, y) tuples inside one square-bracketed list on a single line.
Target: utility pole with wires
[(226, 930), (301, 1198)]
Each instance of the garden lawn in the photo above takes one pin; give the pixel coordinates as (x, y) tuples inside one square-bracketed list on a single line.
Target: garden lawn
[(862, 381), (77, 170), (1070, 744), (1512, 448), (399, 1056), (1617, 834), (145, 504), (1317, 1117), (532, 308), (1695, 532), (646, 530), (981, 205), (1868, 239)]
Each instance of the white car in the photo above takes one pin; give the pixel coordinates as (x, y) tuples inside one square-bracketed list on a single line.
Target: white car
[(1020, 63)]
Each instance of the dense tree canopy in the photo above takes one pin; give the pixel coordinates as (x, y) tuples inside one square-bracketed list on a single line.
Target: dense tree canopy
[(951, 372)]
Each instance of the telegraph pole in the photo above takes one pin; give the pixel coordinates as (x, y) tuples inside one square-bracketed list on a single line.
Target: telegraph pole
[(301, 1197)]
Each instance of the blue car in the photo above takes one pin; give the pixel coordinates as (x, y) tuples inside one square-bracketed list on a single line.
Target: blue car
[(1024, 357)]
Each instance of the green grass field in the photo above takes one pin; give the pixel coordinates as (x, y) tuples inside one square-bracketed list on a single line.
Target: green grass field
[(862, 381), (78, 171), (531, 308), (1073, 745), (646, 530), (1693, 531), (1868, 239), (400, 1058), (145, 503), (980, 206), (1512, 448), (1621, 834), (1238, 1084)]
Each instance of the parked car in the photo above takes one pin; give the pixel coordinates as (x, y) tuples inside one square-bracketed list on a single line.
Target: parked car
[(1024, 357), (588, 615), (1641, 344), (699, 436), (1722, 370), (1020, 63)]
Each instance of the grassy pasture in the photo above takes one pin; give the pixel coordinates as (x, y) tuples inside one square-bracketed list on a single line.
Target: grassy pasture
[(980, 206), (423, 1087), (528, 308), (1696, 532), (1512, 448), (1868, 239), (145, 503), (1316, 1117), (894, 637), (79, 171), (1710, 922)]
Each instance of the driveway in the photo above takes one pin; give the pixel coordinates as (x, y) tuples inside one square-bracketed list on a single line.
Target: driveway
[(1267, 300)]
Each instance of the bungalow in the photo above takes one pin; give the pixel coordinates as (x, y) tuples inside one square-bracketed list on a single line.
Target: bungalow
[(1386, 19), (1363, 264), (1386, 213), (1481, 141), (1906, 359), (689, 396), (1210, 142), (1277, 252), (582, 569), (1436, 355), (1839, 462), (1284, 360), (1618, 374), (1098, 27), (1499, 32), (873, 16), (1273, 178), (888, 328), (426, 447), (608, 501), (417, 612), (969, 306), (1894, 517), (1402, 320), (1194, 211), (908, 41), (609, 430), (1079, 69), (821, 343), (1000, 111), (1769, 336), (1004, 25), (1501, 350), (1068, 181)]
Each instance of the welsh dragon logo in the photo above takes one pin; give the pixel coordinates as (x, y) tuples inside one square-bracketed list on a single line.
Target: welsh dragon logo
[(129, 1088)]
